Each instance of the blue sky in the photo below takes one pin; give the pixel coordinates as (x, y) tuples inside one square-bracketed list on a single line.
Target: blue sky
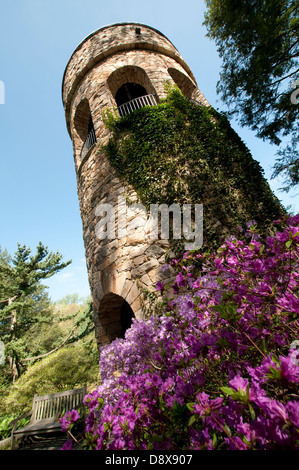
[(38, 194)]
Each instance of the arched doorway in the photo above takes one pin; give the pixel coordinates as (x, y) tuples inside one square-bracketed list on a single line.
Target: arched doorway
[(114, 318)]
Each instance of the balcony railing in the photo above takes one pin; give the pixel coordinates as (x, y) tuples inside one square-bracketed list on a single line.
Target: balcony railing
[(89, 141), (198, 103), (136, 103)]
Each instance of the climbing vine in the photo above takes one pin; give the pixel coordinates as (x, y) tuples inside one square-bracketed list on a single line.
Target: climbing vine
[(181, 152)]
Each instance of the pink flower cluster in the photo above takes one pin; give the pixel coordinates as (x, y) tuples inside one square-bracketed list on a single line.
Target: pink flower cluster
[(214, 369)]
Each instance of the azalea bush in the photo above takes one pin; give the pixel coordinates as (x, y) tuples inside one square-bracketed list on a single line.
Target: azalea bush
[(216, 367)]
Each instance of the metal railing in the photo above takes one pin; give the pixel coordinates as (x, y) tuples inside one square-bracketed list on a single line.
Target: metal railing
[(89, 141), (198, 103), (136, 103)]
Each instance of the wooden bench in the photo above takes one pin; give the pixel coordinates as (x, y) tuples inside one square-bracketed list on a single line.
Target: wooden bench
[(44, 413)]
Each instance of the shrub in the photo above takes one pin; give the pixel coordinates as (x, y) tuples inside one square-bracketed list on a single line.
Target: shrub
[(218, 367), (68, 368)]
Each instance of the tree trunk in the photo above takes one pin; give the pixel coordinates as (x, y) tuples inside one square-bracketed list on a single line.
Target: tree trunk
[(13, 360), (13, 368)]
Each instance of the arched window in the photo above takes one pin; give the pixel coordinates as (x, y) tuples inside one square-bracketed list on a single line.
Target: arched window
[(131, 89), (84, 126), (132, 96), (184, 83)]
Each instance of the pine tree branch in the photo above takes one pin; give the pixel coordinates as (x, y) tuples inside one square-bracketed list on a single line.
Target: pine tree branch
[(281, 79), (53, 350), (10, 299)]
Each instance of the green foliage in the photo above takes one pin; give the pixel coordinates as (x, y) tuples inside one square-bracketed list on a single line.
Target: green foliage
[(23, 301), (23, 274), (68, 368), (73, 363), (5, 428), (48, 347), (287, 165), (65, 324), (179, 152), (72, 299), (258, 42)]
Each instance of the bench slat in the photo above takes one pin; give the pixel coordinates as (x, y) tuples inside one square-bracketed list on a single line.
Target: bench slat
[(59, 394), (41, 410)]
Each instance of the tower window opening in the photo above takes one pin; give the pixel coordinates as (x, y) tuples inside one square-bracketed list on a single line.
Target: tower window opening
[(90, 139), (85, 136), (128, 92), (131, 96), (184, 83)]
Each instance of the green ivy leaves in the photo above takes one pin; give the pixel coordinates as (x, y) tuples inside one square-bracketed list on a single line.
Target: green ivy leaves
[(179, 152)]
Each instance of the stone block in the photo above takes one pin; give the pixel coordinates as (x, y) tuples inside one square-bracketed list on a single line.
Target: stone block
[(120, 282), (144, 268), (154, 251), (137, 250), (110, 259), (152, 276), (132, 294), (126, 288), (145, 279), (138, 260), (136, 304)]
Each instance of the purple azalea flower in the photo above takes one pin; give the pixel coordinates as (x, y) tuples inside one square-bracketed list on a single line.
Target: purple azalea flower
[(218, 263), (235, 443), (180, 280), (65, 424), (260, 373), (74, 416), (258, 266), (90, 421), (273, 408), (295, 233), (117, 444), (204, 405), (283, 237), (289, 302), (293, 220), (238, 383), (67, 445), (245, 429), (289, 369), (159, 285), (293, 412), (175, 288), (69, 418)]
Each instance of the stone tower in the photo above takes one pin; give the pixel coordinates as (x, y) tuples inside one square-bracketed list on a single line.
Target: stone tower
[(123, 66)]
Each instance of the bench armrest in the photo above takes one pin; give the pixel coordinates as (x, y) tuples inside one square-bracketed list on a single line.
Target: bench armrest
[(14, 421)]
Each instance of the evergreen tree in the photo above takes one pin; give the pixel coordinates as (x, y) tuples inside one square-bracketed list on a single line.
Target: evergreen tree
[(258, 41), (22, 299)]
